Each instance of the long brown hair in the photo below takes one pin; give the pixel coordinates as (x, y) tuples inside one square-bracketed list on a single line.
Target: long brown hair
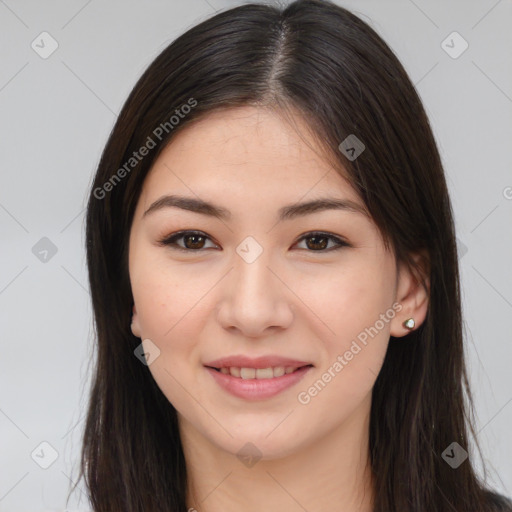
[(321, 60)]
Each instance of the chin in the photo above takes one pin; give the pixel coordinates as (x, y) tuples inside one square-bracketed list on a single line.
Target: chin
[(258, 444)]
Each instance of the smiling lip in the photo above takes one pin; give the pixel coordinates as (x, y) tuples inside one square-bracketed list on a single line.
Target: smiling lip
[(258, 362), (257, 389)]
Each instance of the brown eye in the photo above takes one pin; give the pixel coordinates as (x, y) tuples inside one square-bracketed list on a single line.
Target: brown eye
[(192, 241), (317, 242)]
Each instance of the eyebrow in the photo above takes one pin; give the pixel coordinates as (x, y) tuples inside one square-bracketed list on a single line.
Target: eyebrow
[(288, 212)]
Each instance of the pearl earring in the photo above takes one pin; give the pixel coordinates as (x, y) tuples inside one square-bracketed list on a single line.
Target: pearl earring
[(409, 324)]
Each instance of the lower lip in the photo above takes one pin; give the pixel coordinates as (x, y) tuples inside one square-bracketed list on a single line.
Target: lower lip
[(257, 389)]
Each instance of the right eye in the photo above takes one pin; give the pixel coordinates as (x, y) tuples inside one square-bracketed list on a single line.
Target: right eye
[(193, 241)]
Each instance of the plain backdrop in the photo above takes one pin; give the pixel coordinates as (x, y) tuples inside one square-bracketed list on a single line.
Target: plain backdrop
[(56, 112)]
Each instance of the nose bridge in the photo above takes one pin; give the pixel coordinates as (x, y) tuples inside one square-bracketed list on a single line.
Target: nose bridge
[(256, 298), (251, 274)]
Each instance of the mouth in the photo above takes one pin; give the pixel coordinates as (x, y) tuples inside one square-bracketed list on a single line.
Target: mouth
[(258, 383), (246, 373)]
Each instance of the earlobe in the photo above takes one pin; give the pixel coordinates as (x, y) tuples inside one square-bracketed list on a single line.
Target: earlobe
[(413, 295), (135, 323)]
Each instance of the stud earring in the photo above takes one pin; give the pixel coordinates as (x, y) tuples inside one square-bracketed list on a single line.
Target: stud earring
[(409, 324)]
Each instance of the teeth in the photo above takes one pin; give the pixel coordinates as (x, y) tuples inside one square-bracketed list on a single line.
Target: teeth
[(234, 371), (247, 373), (264, 373), (278, 371), (258, 373)]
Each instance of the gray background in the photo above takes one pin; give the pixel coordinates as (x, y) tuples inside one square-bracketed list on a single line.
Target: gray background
[(55, 116)]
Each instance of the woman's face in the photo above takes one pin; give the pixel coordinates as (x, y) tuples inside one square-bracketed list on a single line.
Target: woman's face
[(254, 284)]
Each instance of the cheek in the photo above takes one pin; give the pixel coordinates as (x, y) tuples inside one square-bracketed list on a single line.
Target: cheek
[(354, 347), (350, 306), (346, 301), (172, 303), (169, 313), (165, 295)]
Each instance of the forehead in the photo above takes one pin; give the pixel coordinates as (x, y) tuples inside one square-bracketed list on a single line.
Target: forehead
[(247, 150)]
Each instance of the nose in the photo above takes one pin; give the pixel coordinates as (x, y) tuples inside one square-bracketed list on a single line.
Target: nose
[(256, 300)]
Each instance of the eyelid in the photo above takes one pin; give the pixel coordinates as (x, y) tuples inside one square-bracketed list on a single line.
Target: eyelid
[(170, 240), (338, 240)]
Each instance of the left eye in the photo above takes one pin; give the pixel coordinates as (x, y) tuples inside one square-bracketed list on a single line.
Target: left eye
[(194, 241), (321, 241)]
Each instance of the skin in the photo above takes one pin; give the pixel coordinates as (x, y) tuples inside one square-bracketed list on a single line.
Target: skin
[(294, 300)]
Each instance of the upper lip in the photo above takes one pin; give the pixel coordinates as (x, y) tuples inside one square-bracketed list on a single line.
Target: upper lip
[(258, 362)]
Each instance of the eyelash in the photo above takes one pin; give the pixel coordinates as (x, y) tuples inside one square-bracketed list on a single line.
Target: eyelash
[(170, 241)]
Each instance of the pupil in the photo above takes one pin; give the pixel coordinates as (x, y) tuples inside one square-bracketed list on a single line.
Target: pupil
[(323, 245), (188, 237)]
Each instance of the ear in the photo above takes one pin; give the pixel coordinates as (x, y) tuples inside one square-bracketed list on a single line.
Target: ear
[(135, 323), (412, 294)]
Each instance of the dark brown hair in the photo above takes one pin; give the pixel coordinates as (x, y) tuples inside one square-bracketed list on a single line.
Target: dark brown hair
[(321, 60)]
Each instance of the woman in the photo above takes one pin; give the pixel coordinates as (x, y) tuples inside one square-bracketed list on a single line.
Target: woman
[(274, 277)]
